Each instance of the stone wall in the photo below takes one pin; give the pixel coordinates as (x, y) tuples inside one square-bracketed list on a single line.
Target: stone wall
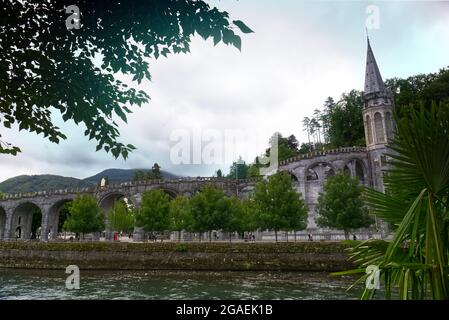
[(305, 256)]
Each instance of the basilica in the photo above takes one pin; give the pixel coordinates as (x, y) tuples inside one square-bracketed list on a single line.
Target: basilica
[(367, 163)]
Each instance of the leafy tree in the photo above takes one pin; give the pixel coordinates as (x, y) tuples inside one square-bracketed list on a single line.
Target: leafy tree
[(253, 170), (306, 148), (279, 205), (153, 214), (156, 172), (180, 215), (234, 222), (121, 218), (47, 64), (209, 209), (345, 127), (219, 173), (287, 147), (249, 213), (421, 88), (238, 170), (85, 215), (415, 261), (340, 206), (2, 195)]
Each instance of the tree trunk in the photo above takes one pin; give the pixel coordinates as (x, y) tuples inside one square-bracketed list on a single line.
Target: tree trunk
[(286, 234), (276, 235), (346, 235), (295, 235), (179, 236), (210, 236), (230, 236)]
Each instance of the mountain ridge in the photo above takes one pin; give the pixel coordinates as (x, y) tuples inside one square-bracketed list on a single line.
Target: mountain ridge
[(31, 183)]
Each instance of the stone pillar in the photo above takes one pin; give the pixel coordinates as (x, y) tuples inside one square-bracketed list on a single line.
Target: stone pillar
[(138, 234), (45, 223), (8, 222)]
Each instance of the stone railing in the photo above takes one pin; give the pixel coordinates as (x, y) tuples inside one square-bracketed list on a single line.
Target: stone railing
[(320, 153), (115, 186)]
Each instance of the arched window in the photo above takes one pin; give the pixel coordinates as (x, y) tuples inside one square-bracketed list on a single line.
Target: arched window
[(379, 127), (389, 125), (359, 172), (369, 132)]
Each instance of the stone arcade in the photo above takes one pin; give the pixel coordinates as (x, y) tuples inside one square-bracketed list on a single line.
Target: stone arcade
[(308, 172)]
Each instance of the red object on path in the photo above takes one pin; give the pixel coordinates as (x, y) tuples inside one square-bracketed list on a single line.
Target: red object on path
[(115, 236)]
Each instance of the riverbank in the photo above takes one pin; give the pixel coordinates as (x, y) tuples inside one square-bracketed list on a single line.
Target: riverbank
[(215, 256)]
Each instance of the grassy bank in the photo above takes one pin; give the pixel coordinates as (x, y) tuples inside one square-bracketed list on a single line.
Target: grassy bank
[(291, 256)]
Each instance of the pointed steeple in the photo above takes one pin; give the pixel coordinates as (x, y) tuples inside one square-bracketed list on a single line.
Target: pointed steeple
[(373, 79)]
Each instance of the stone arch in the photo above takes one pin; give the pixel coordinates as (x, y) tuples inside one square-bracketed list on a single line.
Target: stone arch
[(389, 125), (369, 130), (2, 222), (319, 171), (107, 201), (54, 224), (379, 127), (26, 222), (172, 193), (293, 176), (355, 167), (316, 174)]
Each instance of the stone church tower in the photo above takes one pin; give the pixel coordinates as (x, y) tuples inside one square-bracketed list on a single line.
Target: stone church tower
[(378, 119)]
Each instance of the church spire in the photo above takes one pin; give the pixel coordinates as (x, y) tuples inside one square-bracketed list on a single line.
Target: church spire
[(373, 79)]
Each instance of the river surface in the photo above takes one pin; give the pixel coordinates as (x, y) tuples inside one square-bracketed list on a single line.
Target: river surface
[(50, 284)]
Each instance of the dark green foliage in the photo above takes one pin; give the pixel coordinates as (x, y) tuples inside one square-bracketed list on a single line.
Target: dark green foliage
[(210, 209), (287, 147), (416, 260), (85, 215), (155, 172), (421, 88), (121, 218), (345, 127), (340, 206), (238, 170), (180, 215), (153, 214), (43, 65), (278, 205)]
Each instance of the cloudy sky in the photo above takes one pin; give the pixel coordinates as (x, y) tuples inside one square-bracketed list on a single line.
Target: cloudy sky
[(301, 53)]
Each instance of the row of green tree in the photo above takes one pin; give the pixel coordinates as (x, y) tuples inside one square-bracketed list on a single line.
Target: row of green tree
[(273, 205)]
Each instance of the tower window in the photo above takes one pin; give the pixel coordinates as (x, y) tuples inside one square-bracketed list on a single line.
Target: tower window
[(379, 128), (369, 132)]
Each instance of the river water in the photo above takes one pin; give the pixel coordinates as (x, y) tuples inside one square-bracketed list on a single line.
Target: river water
[(50, 284)]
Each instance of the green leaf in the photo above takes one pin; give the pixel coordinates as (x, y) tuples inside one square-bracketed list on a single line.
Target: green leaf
[(242, 26)]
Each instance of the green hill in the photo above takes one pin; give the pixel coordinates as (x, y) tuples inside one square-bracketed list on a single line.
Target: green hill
[(32, 183), (26, 183)]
